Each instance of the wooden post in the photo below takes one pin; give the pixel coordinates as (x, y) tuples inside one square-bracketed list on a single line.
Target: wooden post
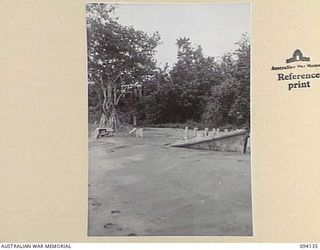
[(195, 132), (139, 132), (134, 121), (186, 133), (206, 131), (246, 138)]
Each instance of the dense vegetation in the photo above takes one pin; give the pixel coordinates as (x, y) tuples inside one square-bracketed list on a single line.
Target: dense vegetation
[(124, 80)]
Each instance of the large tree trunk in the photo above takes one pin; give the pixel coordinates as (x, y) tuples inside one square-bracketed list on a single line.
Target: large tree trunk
[(109, 117)]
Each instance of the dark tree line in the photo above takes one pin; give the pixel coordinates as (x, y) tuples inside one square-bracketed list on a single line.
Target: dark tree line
[(124, 80)]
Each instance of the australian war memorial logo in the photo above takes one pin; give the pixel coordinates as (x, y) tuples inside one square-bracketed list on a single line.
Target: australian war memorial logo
[(296, 63), (298, 57)]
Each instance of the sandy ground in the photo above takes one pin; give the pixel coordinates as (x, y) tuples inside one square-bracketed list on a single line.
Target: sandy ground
[(141, 186)]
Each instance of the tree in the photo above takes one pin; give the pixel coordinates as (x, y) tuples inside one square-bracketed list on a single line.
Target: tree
[(153, 107), (229, 101), (191, 77), (120, 58), (240, 109)]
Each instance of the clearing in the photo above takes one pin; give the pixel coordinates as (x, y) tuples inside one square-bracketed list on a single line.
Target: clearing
[(143, 187)]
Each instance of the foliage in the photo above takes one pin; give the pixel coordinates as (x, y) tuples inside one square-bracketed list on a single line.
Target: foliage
[(120, 58), (229, 101), (124, 80)]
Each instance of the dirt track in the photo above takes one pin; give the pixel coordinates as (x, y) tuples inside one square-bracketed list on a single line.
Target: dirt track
[(140, 186)]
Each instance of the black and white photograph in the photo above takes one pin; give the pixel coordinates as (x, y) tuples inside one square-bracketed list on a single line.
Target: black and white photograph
[(169, 119)]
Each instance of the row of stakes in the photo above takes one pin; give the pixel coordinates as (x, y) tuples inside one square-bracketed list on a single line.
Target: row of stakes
[(206, 132), (196, 133)]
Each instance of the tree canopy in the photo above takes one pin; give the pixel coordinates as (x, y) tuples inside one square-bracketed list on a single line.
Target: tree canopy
[(124, 78), (120, 58)]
